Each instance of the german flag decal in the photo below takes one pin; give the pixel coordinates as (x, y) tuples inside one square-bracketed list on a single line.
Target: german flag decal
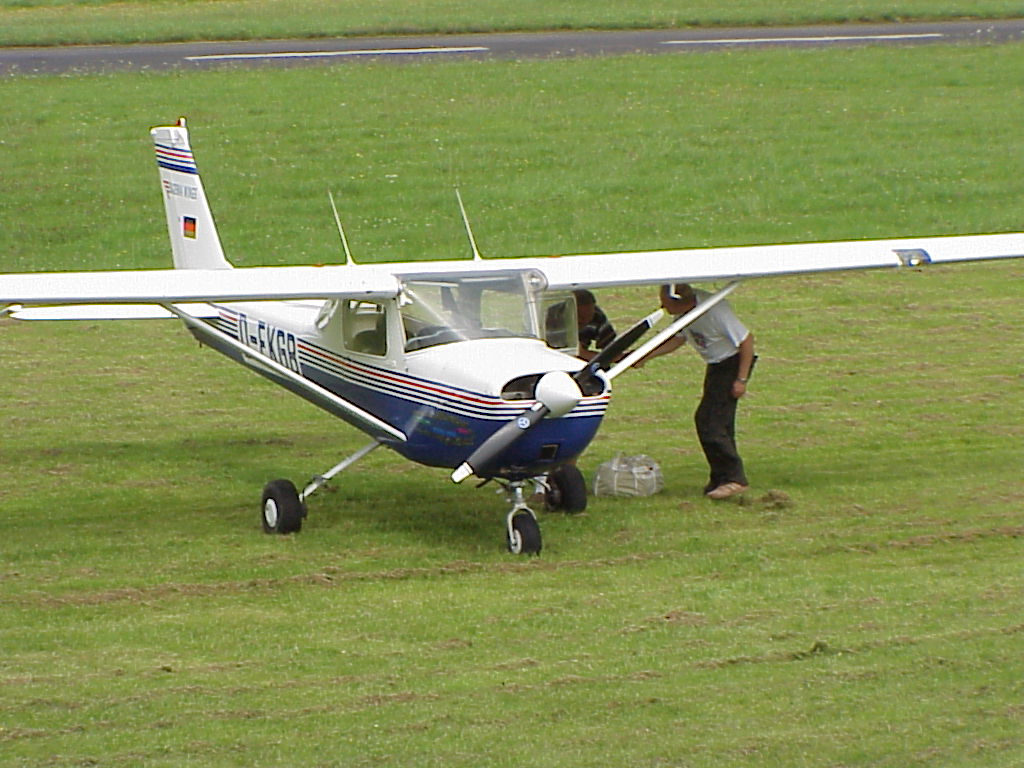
[(189, 227)]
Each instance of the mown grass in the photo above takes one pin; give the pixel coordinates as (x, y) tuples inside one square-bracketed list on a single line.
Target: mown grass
[(64, 22), (862, 606), (552, 157)]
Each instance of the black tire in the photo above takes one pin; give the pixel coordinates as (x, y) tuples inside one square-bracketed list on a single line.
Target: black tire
[(282, 511), (567, 490), (525, 536)]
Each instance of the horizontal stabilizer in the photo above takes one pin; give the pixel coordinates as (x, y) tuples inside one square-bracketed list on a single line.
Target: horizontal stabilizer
[(110, 312)]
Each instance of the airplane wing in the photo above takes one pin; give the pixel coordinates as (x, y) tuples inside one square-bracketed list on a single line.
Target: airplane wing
[(715, 264), (180, 286)]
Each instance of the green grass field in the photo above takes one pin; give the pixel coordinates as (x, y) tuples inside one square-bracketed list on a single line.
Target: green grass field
[(63, 22), (861, 607)]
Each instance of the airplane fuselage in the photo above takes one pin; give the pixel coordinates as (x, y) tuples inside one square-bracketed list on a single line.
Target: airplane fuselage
[(446, 398)]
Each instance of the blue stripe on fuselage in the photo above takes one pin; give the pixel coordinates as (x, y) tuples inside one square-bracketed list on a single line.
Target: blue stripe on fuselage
[(443, 435), (443, 424)]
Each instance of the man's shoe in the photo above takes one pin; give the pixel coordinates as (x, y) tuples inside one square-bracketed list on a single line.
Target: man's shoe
[(726, 490)]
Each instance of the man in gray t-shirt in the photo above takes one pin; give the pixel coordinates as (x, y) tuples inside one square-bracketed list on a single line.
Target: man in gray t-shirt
[(727, 347)]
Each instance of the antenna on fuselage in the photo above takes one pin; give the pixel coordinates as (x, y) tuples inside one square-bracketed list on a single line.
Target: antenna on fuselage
[(341, 230), (469, 229)]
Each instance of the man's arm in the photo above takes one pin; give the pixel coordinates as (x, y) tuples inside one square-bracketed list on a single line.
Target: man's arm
[(746, 353), (670, 345)]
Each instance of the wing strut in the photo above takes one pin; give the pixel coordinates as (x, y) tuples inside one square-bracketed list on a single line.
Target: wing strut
[(663, 336), (292, 381)]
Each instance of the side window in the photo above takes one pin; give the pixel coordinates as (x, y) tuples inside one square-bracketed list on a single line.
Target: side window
[(364, 327), (560, 331)]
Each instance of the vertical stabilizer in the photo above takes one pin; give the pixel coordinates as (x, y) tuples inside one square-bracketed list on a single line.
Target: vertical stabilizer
[(194, 240)]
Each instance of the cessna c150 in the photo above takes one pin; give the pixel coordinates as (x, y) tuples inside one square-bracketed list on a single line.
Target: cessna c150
[(466, 365)]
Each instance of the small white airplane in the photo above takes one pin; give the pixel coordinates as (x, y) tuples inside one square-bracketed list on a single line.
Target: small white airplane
[(466, 364)]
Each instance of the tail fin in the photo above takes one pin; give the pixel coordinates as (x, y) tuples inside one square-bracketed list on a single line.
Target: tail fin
[(194, 240)]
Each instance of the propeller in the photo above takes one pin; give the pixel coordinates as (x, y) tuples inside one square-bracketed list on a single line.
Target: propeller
[(557, 393)]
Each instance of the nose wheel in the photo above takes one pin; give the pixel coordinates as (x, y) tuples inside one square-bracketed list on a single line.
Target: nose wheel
[(522, 535)]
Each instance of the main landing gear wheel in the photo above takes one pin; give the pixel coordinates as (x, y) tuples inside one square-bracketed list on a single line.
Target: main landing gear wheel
[(523, 535), (566, 490), (282, 509)]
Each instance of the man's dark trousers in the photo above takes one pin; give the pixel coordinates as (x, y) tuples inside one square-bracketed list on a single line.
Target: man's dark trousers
[(716, 424)]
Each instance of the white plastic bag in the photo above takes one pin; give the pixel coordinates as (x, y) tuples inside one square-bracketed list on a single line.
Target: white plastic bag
[(628, 476)]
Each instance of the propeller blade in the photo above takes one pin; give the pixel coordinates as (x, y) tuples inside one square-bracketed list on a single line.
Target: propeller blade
[(673, 328), (494, 445), (603, 360)]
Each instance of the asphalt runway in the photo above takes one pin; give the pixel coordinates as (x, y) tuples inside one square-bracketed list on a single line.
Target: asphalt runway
[(184, 56)]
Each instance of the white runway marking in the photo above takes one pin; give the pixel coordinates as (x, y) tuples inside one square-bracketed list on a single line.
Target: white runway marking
[(325, 54), (829, 39)]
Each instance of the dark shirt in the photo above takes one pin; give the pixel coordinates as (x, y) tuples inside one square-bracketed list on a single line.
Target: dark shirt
[(598, 331)]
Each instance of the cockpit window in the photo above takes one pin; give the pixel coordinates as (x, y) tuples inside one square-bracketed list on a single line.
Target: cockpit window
[(468, 307), (365, 327)]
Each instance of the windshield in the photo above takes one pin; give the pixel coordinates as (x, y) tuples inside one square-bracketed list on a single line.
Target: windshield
[(440, 311)]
